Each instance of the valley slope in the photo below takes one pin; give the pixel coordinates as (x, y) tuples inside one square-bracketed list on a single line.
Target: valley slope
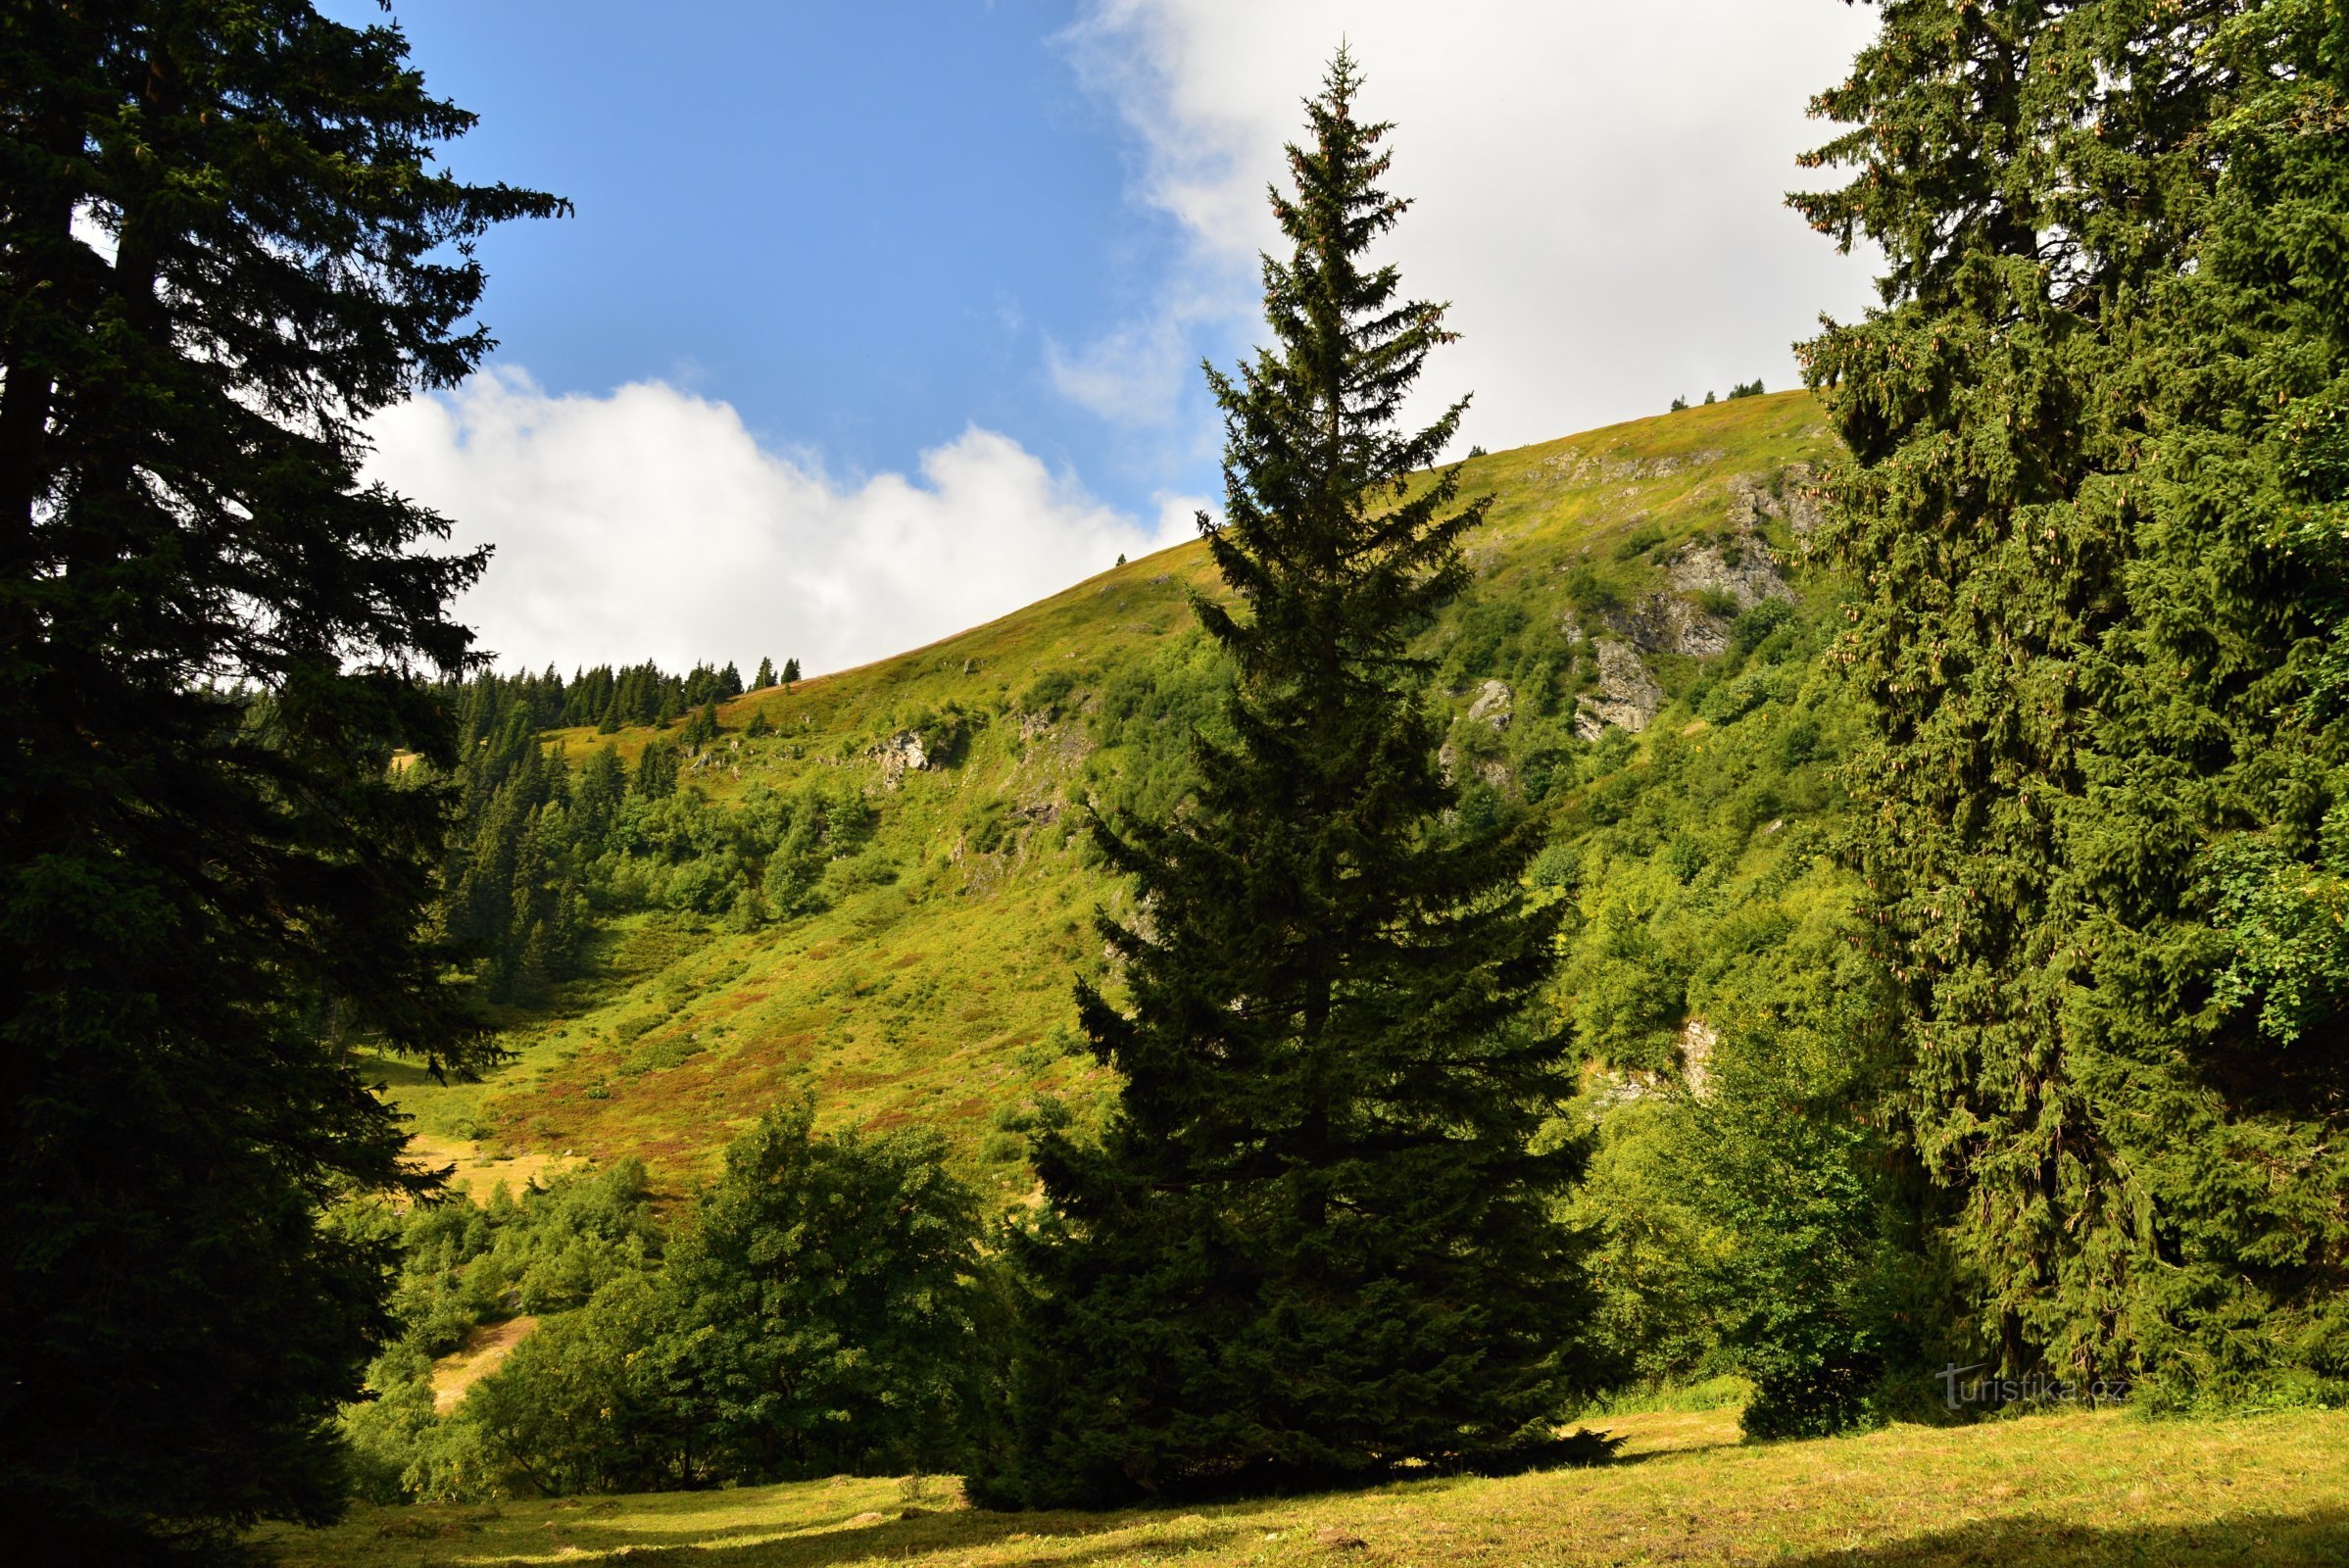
[(1624, 580)]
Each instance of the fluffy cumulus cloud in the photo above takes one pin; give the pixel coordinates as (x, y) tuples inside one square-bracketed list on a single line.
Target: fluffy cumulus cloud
[(1600, 188), (650, 524)]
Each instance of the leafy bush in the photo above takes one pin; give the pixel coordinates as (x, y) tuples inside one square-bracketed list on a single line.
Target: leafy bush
[(823, 1307), (1756, 626), (816, 1313), (580, 1406), (1639, 542), (1046, 692)]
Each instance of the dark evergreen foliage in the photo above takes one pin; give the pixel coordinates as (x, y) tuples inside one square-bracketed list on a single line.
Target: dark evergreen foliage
[(657, 770), (1316, 1240), (2095, 509), (211, 877)]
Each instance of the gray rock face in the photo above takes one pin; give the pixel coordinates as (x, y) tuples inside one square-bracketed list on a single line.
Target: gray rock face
[(899, 754), (1697, 1043), (1666, 623), (1628, 696), (1740, 567), (1787, 495), (1493, 770), (1495, 705), (1736, 569), (1744, 572)]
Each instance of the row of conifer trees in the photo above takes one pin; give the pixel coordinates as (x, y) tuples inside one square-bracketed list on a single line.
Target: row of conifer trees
[(606, 697)]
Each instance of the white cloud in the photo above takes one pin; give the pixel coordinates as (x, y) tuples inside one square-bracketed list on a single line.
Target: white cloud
[(1133, 375), (650, 524), (1600, 188)]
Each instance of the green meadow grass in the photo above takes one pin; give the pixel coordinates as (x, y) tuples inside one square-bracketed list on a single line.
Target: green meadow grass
[(2068, 1490), (942, 997)]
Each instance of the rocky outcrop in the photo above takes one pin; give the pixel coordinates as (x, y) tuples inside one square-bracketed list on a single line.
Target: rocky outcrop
[(1495, 705), (1627, 696), (900, 754), (1788, 494), (1738, 564), (1736, 569), (1491, 769), (1667, 624), (1697, 1043)]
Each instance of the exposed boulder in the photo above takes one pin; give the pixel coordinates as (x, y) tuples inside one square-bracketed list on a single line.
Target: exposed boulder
[(1789, 494), (1667, 624), (1491, 769), (1495, 705), (899, 754), (1697, 1043), (1742, 570), (1628, 696)]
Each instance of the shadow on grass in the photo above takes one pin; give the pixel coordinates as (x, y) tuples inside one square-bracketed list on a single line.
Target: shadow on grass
[(394, 1071), (2316, 1540)]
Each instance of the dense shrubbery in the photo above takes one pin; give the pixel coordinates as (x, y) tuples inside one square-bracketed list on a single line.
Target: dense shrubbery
[(1754, 1209), (816, 1311)]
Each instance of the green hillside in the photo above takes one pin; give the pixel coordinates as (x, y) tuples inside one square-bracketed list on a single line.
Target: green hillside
[(1624, 579)]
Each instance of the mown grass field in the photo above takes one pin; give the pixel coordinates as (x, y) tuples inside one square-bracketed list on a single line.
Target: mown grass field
[(940, 995), (2080, 1488)]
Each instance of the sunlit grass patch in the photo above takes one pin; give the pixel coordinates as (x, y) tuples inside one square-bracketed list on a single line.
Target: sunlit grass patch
[(2047, 1492)]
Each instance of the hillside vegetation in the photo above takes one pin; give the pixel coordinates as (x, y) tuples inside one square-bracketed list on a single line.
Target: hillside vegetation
[(1637, 593)]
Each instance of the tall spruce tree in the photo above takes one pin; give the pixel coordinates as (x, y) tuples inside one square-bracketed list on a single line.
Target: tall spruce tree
[(1316, 1237), (2096, 506), (222, 245)]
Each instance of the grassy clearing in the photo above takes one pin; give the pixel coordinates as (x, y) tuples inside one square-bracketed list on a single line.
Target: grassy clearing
[(454, 1375), (936, 987), (2063, 1490)]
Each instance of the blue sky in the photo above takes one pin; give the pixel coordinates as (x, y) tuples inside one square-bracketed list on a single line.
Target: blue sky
[(877, 321), (853, 222)]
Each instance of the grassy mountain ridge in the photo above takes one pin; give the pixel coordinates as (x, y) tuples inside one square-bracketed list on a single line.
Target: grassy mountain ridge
[(1620, 576)]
